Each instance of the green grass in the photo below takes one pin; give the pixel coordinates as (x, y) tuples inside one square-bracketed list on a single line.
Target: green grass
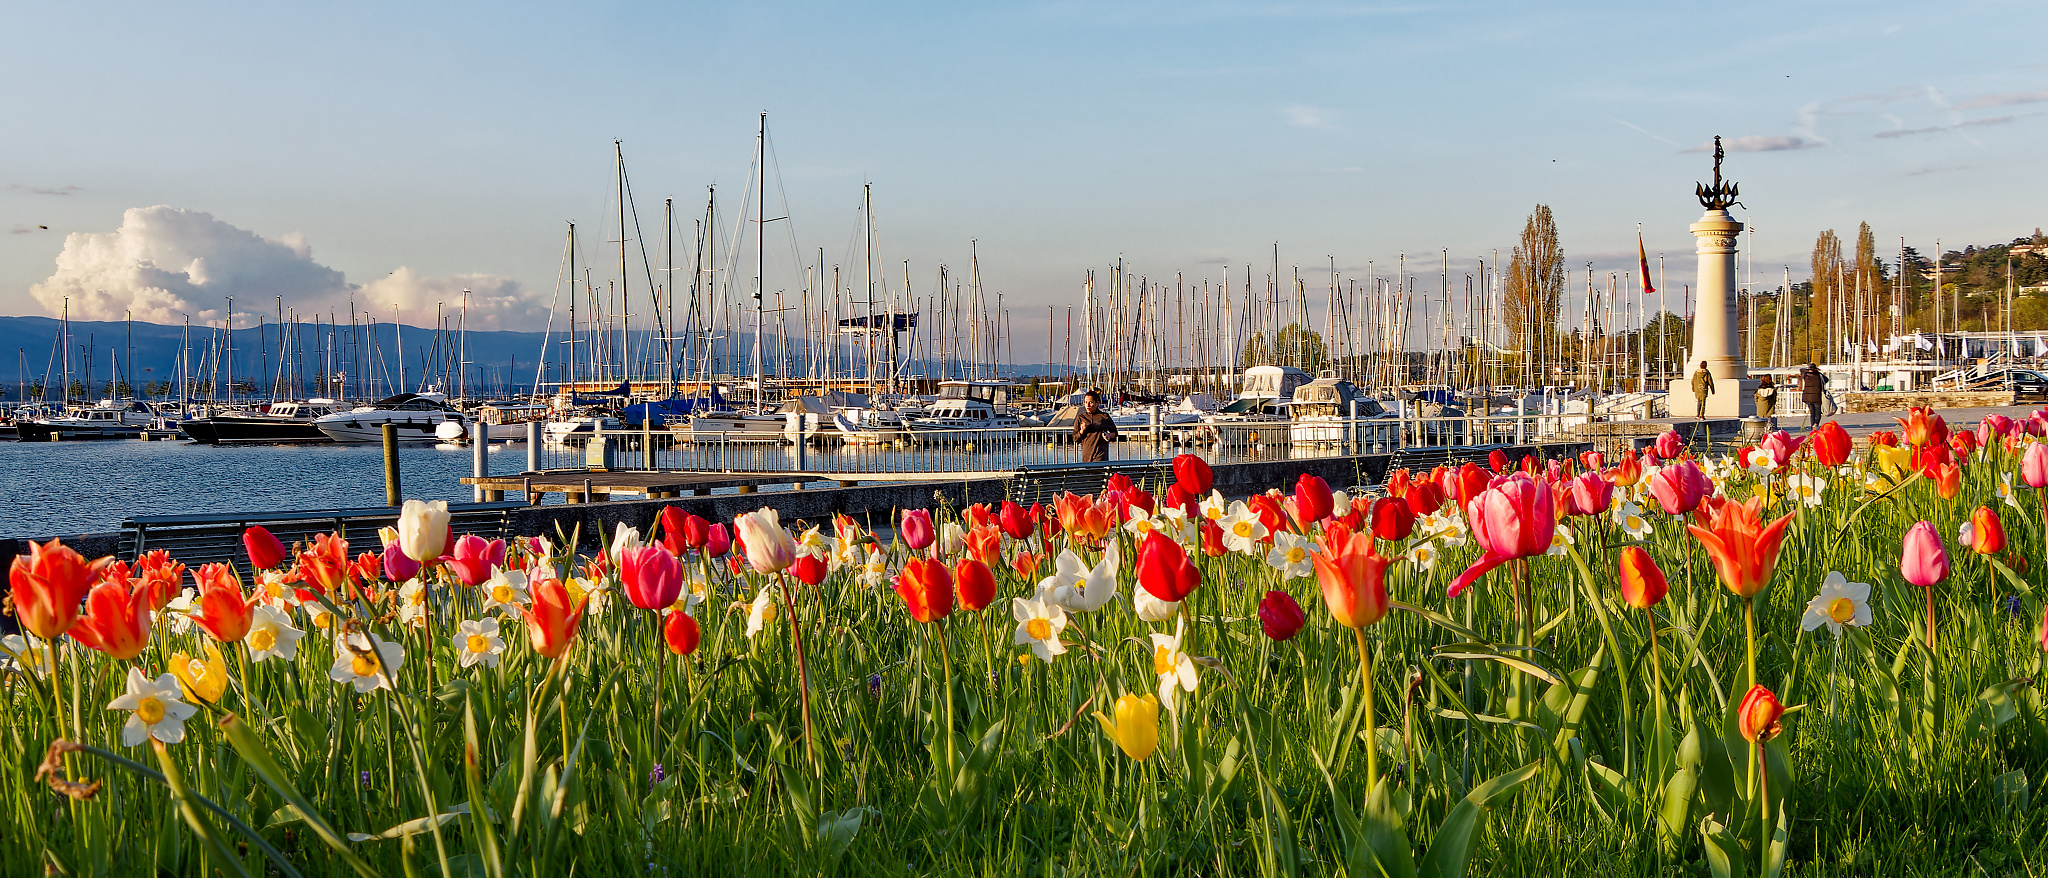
[(1914, 771)]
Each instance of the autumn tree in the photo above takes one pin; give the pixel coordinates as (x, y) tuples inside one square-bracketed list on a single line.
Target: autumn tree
[(1535, 288), (1827, 302)]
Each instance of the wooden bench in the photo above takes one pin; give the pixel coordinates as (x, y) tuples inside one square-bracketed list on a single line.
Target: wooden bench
[(217, 537), (1043, 483)]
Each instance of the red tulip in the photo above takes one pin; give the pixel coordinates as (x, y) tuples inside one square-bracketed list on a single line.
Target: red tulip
[(1743, 549), (1516, 518), (551, 620), (48, 585), (1963, 443), (1193, 474), (1471, 482), (1212, 539), (650, 576), (1498, 460), (1424, 498), (116, 621), (809, 569), (1026, 564), (1164, 568), (1271, 513), (1353, 580), (1885, 438), (1923, 427), (1758, 714), (1923, 560), (265, 552), (1119, 483), (473, 558), (1589, 494), (671, 521), (1312, 500), (223, 610), (717, 540), (1281, 616), (1629, 471), (926, 588), (1680, 487), (1830, 444), (1136, 498), (1669, 445), (915, 526), (1017, 522), (681, 632), (1987, 533), (1392, 519), (696, 532), (975, 583), (1642, 581)]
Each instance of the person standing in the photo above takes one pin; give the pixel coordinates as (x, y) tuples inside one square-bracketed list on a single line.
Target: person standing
[(1094, 428), (1702, 387), (1767, 402), (1811, 392)]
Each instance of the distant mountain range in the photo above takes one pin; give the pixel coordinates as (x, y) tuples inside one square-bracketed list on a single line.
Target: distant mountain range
[(499, 361)]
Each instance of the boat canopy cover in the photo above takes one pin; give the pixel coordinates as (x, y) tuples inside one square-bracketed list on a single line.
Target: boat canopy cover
[(625, 388), (1440, 396), (663, 409)]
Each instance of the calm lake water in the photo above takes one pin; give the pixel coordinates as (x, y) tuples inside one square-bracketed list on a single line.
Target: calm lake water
[(61, 488)]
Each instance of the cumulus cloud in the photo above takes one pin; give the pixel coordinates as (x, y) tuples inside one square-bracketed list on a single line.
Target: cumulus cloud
[(165, 263), (1758, 143)]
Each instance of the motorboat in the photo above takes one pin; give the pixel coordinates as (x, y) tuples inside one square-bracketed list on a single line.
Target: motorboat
[(1323, 410), (416, 415), (966, 411), (276, 422), (1260, 414), (506, 421), (107, 419)]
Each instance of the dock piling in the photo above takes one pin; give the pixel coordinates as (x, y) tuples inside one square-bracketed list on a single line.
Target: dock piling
[(391, 492), (533, 446), (479, 454)]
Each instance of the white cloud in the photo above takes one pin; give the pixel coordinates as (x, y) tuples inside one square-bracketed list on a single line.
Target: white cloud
[(1304, 116), (165, 263), (1758, 143), (2004, 100)]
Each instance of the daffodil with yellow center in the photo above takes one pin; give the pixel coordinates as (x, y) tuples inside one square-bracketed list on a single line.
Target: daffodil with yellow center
[(1039, 623), (1176, 671), (157, 711), (1289, 555), (1839, 603)]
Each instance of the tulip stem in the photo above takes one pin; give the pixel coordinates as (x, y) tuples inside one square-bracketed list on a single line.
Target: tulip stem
[(946, 689), (1372, 744), (1764, 807), (1930, 620), (1749, 621), (803, 671)]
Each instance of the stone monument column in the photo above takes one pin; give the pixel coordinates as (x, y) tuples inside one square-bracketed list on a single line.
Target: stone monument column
[(1714, 318)]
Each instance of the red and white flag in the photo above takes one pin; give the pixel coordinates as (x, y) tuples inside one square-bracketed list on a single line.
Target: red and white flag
[(1643, 259)]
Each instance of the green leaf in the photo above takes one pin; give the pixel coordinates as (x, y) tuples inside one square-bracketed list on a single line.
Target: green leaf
[(1998, 703), (259, 759), (1724, 854), (1452, 851), (2011, 791), (1676, 814)]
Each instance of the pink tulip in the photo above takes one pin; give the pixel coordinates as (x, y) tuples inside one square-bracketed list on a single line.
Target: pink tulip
[(398, 566), (1513, 518), (1680, 487), (1669, 444), (474, 558), (1993, 427), (1589, 494), (1923, 560), (2037, 423), (1780, 446), (717, 540), (916, 528), (2034, 466), (651, 577)]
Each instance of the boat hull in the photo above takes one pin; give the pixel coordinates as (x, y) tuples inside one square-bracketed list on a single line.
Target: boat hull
[(35, 432), (234, 431), (415, 429)]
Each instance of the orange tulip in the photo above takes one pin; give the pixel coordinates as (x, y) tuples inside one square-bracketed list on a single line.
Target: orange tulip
[(1642, 581), (975, 583), (927, 589), (1628, 471), (1923, 427), (985, 544), (1948, 480), (223, 611), (1353, 578), (324, 567), (49, 583), (116, 621), (552, 618), (160, 576), (1744, 549), (1987, 533), (1758, 714)]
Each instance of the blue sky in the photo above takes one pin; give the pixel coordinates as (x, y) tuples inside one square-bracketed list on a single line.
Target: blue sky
[(453, 142)]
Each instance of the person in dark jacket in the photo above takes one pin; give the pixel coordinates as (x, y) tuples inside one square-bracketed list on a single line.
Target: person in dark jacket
[(1094, 428), (1702, 387), (1812, 386)]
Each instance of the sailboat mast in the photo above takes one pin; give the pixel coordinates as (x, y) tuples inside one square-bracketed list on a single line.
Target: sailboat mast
[(760, 259)]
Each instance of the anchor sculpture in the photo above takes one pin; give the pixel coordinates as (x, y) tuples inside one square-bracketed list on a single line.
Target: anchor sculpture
[(1721, 195)]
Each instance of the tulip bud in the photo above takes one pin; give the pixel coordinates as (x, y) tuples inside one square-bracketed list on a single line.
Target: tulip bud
[(1312, 501), (1212, 539), (1164, 568), (1758, 714), (915, 526), (2034, 465), (769, 548), (681, 632), (1669, 445), (926, 588), (650, 576), (423, 530), (1987, 533), (1281, 616), (1193, 474), (1392, 519), (1923, 560), (1015, 521), (717, 540), (1642, 581), (975, 583), (265, 552)]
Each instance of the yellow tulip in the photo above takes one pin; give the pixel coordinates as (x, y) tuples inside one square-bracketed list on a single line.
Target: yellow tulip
[(1895, 461), (1136, 728), (202, 679)]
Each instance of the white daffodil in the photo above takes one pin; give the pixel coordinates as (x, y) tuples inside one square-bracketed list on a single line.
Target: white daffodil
[(761, 613), (1289, 555), (599, 592), (271, 635), (1760, 462), (847, 552), (1150, 608), (622, 539), (272, 589), (412, 603), (1039, 623), (159, 709), (1423, 555), (317, 616), (1805, 488), (1213, 507), (1561, 541), (2005, 492), (875, 570), (505, 591), (1448, 527), (815, 545), (24, 651), (951, 538), (366, 661), (1242, 529), (1078, 587), (179, 611), (1176, 671), (1632, 521), (477, 640), (1175, 523), (1139, 522), (1839, 603)]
